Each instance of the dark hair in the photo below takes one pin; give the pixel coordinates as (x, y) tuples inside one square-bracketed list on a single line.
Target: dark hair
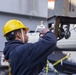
[(11, 36)]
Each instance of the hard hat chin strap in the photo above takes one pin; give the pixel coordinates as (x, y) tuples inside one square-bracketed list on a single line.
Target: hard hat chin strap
[(22, 36)]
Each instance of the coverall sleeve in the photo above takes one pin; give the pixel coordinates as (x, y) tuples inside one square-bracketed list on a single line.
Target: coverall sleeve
[(41, 49)]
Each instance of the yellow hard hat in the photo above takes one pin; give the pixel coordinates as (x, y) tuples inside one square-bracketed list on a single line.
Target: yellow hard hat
[(12, 25)]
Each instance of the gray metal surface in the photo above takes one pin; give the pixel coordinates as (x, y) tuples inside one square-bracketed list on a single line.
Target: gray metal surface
[(27, 7)]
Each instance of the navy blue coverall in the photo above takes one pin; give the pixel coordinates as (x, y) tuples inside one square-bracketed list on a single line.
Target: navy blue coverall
[(29, 58)]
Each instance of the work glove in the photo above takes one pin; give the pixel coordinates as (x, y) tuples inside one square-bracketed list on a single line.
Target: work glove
[(43, 32)]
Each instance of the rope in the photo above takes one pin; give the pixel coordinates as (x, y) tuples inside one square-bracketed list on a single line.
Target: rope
[(47, 65)]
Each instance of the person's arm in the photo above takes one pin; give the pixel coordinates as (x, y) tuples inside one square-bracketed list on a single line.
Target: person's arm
[(42, 48)]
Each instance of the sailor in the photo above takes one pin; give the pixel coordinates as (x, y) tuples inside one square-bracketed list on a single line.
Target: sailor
[(40, 27), (26, 58)]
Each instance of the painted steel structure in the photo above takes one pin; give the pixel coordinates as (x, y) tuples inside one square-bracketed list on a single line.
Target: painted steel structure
[(63, 8), (25, 7)]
